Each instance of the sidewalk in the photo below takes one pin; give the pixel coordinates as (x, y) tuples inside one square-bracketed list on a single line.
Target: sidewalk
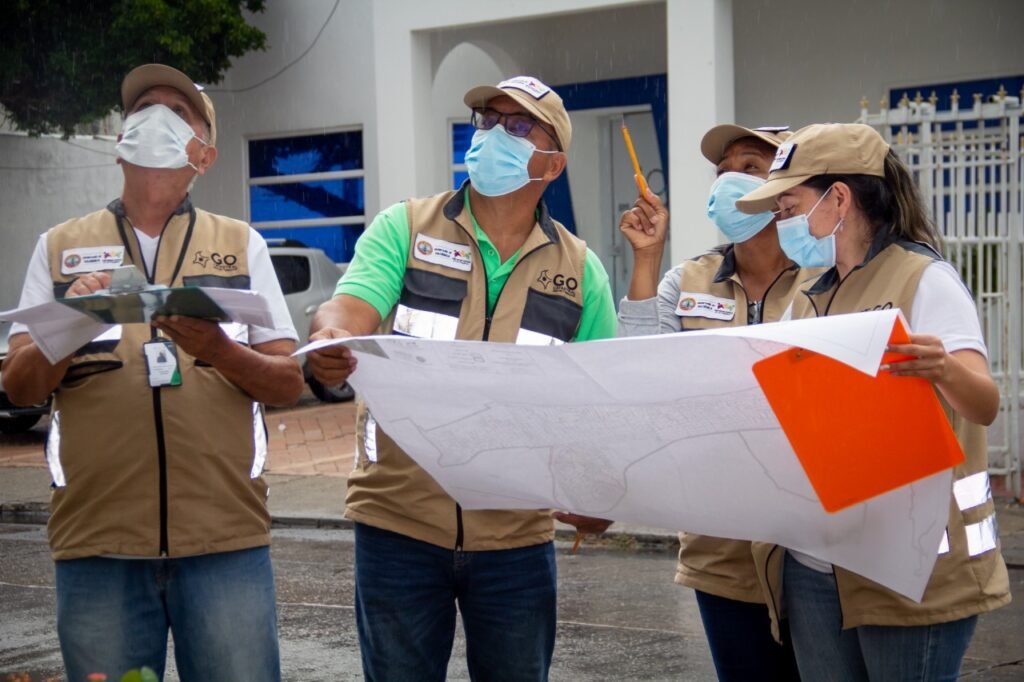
[(311, 449)]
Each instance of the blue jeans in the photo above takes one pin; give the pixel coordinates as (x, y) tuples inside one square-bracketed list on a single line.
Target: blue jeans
[(826, 652), (406, 595), (742, 647), (114, 614)]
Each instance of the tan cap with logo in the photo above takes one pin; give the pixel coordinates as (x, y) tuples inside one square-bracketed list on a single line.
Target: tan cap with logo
[(819, 149), (717, 140), (536, 98), (142, 78)]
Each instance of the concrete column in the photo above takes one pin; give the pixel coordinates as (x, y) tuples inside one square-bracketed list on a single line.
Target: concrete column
[(402, 76), (700, 95)]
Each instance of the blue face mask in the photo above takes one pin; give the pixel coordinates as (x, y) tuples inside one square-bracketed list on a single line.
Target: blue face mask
[(734, 224), (801, 246), (497, 162)]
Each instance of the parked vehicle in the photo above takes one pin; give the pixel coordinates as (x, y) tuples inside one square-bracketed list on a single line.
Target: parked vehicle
[(16, 419), (308, 278)]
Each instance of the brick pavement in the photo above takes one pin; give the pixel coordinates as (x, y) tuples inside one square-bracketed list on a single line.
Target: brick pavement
[(311, 439)]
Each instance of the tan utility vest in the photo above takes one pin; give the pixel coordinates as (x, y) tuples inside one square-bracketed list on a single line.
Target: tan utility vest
[(140, 471), (721, 566), (540, 303), (969, 576)]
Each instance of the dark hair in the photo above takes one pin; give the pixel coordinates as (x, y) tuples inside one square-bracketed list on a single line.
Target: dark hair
[(892, 203)]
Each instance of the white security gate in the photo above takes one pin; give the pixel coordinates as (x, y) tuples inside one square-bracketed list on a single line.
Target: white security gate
[(968, 164)]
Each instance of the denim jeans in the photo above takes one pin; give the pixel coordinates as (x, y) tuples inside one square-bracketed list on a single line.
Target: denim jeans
[(406, 595), (740, 637), (114, 614), (826, 652)]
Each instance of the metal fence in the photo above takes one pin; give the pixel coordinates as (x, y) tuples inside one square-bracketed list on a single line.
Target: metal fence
[(968, 163)]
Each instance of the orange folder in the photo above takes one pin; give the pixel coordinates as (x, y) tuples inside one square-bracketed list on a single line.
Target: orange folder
[(857, 436)]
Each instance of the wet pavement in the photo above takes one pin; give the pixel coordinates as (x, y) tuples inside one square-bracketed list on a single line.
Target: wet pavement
[(620, 615)]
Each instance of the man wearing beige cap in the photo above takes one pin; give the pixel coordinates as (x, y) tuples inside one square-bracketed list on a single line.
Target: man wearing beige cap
[(158, 516), (484, 262)]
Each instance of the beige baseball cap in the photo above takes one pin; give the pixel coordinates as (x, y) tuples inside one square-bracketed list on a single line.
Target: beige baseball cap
[(717, 140), (536, 98), (142, 78), (819, 149)]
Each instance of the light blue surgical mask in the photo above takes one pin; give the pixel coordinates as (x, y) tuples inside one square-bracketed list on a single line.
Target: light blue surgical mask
[(801, 246), (498, 162), (736, 225)]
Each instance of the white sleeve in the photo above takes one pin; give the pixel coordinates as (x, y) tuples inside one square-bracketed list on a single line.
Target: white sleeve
[(38, 287), (943, 307), (263, 279)]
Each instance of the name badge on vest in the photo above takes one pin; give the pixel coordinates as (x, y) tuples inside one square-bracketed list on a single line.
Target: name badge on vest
[(162, 363), (440, 252), (90, 259), (692, 304)]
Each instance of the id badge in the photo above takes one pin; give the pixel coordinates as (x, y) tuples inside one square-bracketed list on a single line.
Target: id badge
[(162, 363)]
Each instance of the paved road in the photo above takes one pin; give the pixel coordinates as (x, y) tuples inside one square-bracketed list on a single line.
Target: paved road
[(620, 616)]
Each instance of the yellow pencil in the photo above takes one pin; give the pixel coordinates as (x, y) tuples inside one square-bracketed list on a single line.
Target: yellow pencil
[(640, 182)]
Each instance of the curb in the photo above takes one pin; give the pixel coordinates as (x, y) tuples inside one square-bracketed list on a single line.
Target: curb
[(616, 539)]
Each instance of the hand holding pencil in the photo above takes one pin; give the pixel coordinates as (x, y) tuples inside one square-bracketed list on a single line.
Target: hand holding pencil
[(641, 182)]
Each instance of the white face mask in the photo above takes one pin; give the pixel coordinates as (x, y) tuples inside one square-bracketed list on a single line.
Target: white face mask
[(156, 137)]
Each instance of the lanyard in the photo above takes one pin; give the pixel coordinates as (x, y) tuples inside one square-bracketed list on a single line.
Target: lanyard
[(156, 258)]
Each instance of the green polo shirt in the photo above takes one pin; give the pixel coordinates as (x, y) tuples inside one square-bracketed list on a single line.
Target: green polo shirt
[(378, 268)]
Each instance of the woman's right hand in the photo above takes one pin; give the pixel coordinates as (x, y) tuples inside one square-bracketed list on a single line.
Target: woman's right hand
[(646, 224)]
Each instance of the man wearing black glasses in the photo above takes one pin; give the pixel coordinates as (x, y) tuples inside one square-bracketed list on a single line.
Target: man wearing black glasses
[(483, 262)]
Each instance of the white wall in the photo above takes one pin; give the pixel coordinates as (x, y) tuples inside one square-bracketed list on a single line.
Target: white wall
[(43, 182), (331, 87), (800, 62)]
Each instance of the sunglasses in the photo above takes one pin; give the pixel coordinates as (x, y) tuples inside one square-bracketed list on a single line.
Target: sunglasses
[(517, 125)]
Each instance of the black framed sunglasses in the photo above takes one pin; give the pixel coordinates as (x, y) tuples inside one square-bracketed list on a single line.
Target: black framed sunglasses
[(517, 125)]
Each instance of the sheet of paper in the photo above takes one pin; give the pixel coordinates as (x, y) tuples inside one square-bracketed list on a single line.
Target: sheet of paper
[(59, 329), (667, 431)]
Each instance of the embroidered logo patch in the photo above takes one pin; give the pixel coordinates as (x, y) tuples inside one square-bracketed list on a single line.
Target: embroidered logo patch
[(440, 252), (91, 259), (694, 304)]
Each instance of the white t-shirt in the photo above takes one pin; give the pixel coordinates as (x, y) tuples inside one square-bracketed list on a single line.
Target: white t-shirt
[(942, 307), (39, 285)]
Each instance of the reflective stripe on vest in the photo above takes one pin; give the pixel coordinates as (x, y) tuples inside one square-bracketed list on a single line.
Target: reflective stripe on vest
[(424, 324), (970, 492), (53, 451), (259, 432)]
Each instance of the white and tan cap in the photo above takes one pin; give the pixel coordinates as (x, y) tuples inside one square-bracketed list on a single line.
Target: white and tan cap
[(536, 98), (819, 149), (717, 140), (142, 78)]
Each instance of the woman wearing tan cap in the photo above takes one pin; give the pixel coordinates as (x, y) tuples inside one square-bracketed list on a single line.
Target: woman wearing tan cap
[(849, 204), (756, 282)]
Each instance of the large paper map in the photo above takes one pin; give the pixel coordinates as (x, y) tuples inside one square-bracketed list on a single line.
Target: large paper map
[(667, 431)]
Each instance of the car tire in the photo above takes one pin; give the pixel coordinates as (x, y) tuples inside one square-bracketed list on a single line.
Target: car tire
[(12, 425), (332, 394)]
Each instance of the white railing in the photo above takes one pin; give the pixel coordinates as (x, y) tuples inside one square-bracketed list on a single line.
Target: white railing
[(968, 163)]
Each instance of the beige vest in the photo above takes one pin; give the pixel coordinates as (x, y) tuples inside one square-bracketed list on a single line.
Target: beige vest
[(969, 576), (720, 566), (540, 303), (171, 471)]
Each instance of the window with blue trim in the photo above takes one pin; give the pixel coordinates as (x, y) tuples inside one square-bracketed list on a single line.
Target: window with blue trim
[(309, 188), (462, 137)]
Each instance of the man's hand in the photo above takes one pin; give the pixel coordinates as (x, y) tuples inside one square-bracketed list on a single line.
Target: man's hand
[(88, 284), (202, 339), (588, 525), (331, 366)]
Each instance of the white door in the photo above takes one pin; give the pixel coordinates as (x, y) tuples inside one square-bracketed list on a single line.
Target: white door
[(602, 186)]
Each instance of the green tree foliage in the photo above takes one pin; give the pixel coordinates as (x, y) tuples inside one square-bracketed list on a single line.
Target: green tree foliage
[(62, 61)]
